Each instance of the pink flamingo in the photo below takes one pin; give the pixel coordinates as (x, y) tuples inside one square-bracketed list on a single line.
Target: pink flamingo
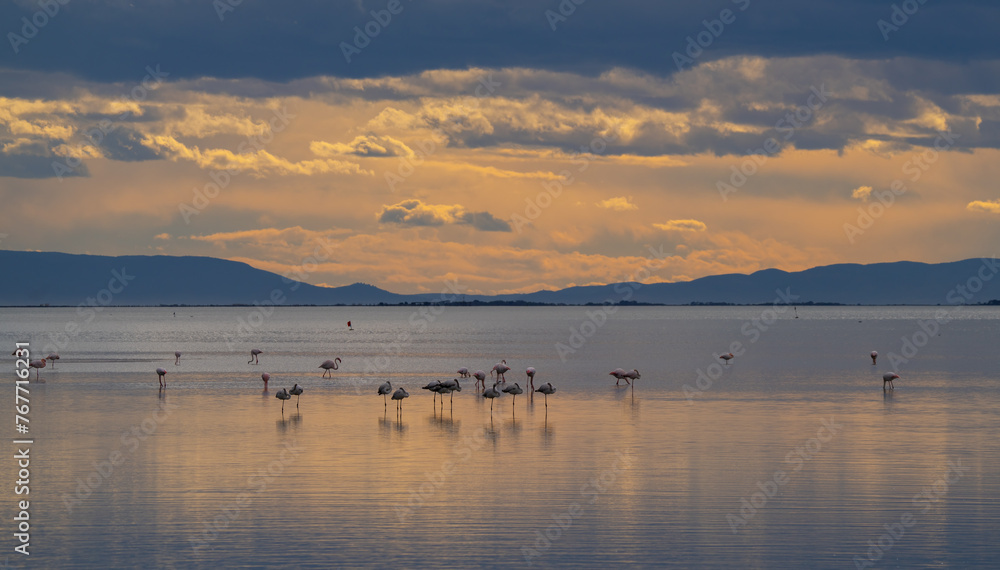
[(874, 357), (297, 392), (727, 357), (265, 377), (398, 396), (492, 393), (254, 353), (463, 372), (37, 364), (177, 358), (161, 376), (500, 368), (329, 365), (480, 378), (530, 371), (383, 390), (283, 395), (887, 378), (633, 375), (546, 389), (618, 373), (52, 358)]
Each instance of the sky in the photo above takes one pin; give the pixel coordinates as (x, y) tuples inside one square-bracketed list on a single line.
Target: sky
[(507, 146)]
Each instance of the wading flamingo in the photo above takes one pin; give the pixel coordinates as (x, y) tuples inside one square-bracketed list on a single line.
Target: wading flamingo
[(254, 353), (383, 390), (329, 365), (52, 358), (434, 387), (177, 358), (480, 378), (514, 390), (530, 371), (463, 372), (283, 395), (874, 357), (297, 392), (265, 377), (161, 373), (492, 393), (450, 387), (887, 378), (618, 373), (633, 375), (727, 357), (500, 368), (546, 389), (398, 396)]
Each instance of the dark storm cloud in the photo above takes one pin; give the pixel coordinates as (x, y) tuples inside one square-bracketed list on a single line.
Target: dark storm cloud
[(24, 163), (126, 145), (114, 41)]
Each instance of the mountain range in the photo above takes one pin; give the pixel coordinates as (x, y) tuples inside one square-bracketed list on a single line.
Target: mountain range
[(61, 279)]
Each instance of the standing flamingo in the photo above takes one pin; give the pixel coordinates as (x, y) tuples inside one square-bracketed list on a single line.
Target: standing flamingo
[(480, 378), (450, 387), (177, 358), (492, 393), (531, 377), (514, 390), (618, 373), (161, 373), (546, 389), (297, 392), (398, 396), (383, 390), (329, 365), (727, 357), (874, 357), (283, 395), (37, 364), (500, 368), (633, 375), (434, 387), (887, 378), (254, 353), (463, 372), (53, 357), (265, 377)]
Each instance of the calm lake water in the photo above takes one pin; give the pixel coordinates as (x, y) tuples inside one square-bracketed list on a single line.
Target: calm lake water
[(791, 456)]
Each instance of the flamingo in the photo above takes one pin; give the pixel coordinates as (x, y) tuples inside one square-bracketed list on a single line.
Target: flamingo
[(283, 395), (727, 357), (450, 387), (515, 390), (177, 358), (37, 364), (887, 378), (500, 368), (434, 387), (349, 327), (52, 358), (265, 377), (398, 396), (618, 373), (480, 378), (633, 375), (253, 356), (546, 389), (463, 372), (161, 373), (874, 357), (383, 390), (530, 371), (329, 365), (297, 392), (492, 393)]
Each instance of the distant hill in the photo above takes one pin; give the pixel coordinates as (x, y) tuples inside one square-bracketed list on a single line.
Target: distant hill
[(39, 278)]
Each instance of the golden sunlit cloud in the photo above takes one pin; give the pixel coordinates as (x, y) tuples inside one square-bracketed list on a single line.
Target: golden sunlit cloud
[(991, 207), (862, 193), (364, 145), (682, 226), (162, 236), (416, 213), (618, 204), (260, 163)]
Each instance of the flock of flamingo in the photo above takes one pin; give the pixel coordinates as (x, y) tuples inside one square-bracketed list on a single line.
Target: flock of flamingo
[(437, 387)]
